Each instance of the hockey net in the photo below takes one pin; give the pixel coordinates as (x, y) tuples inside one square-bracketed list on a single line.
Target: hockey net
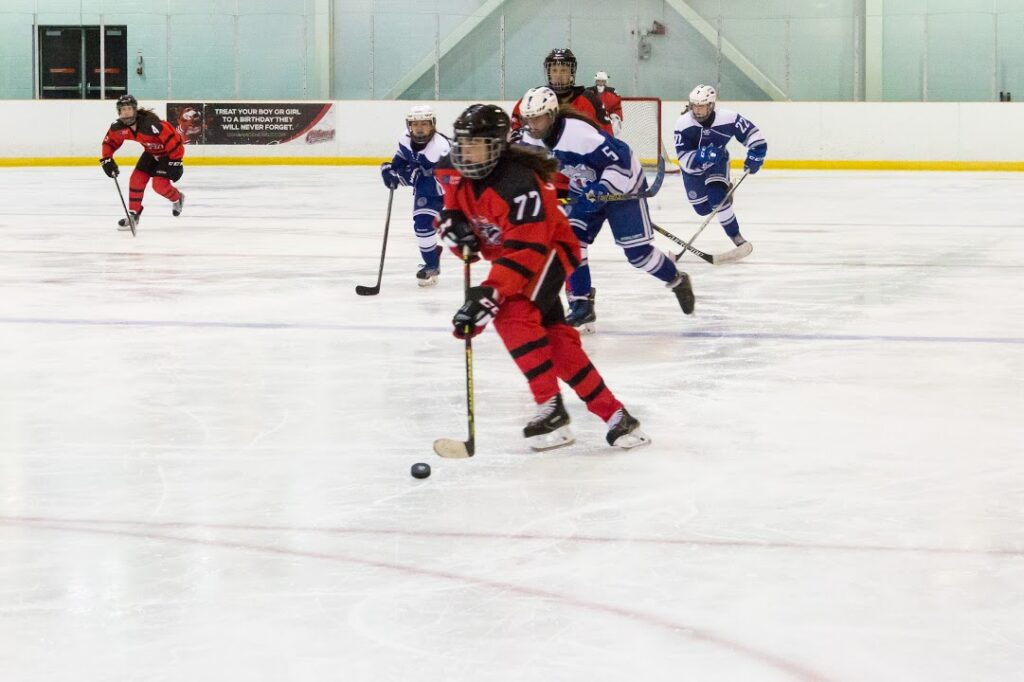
[(642, 131)]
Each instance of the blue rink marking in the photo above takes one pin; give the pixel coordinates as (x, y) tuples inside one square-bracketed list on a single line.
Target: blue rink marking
[(300, 326)]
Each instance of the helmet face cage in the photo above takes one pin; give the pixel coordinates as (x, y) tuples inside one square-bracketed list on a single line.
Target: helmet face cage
[(561, 57), (468, 159)]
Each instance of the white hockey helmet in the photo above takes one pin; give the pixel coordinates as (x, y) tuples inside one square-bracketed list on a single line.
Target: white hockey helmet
[(700, 96), (421, 112), (600, 80), (536, 103)]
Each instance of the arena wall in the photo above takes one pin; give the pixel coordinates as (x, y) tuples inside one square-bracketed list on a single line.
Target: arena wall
[(801, 135)]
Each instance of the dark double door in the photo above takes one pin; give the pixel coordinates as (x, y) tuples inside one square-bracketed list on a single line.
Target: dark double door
[(69, 62)]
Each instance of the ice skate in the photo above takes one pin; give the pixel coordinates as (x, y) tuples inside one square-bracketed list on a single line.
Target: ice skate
[(582, 313), (124, 226), (680, 286), (550, 428), (178, 205), (624, 431), (427, 276)]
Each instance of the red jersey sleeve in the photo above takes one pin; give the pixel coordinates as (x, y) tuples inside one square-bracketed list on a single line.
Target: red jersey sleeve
[(111, 143)]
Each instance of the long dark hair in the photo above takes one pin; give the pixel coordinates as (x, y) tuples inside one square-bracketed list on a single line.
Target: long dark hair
[(540, 163)]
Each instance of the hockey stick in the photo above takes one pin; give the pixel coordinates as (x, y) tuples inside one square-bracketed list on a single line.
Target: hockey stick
[(725, 200), (127, 215), (450, 448), (375, 289), (714, 258), (631, 196)]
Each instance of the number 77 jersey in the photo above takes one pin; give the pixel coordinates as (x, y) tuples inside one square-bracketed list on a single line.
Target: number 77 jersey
[(519, 222)]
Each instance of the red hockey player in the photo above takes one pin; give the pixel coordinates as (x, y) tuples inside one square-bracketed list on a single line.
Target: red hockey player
[(500, 205), (560, 69), (609, 99), (161, 159)]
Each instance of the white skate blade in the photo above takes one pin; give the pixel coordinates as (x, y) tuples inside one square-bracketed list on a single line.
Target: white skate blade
[(741, 251), (124, 228), (428, 282), (558, 438), (452, 449), (633, 439)]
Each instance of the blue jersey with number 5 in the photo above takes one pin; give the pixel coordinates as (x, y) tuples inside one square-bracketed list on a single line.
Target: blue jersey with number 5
[(586, 154)]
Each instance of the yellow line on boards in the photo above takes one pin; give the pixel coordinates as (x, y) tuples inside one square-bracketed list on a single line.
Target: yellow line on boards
[(776, 164)]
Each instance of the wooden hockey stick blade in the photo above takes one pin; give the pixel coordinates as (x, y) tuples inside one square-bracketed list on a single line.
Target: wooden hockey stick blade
[(449, 448), (367, 291), (741, 251)]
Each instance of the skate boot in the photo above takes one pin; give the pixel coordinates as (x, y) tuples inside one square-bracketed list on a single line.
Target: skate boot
[(550, 428), (624, 431), (582, 314), (178, 205), (426, 276), (680, 286), (124, 226)]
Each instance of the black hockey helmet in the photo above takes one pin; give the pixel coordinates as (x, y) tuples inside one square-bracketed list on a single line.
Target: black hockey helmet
[(562, 56), (127, 101), (481, 135)]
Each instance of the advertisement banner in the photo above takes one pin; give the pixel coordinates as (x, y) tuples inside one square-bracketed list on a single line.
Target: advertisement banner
[(252, 123)]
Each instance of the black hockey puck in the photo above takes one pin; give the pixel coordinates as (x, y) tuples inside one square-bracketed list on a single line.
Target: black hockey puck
[(420, 470)]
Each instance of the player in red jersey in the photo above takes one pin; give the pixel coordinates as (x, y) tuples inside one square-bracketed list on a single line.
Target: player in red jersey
[(499, 204), (609, 99), (560, 69), (161, 159)]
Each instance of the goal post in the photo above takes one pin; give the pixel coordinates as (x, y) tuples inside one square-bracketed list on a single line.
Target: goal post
[(642, 130)]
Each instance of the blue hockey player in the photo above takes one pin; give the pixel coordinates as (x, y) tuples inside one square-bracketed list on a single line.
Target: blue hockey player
[(701, 135), (419, 150), (596, 164)]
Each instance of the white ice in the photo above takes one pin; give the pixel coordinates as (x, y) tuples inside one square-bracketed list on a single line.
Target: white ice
[(205, 442)]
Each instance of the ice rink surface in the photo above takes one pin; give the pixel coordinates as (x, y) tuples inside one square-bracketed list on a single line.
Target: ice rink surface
[(205, 442)]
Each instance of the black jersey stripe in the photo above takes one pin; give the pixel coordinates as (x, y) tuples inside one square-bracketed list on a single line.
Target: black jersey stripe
[(581, 375), (515, 267), (533, 246), (593, 394), (538, 370), (529, 347)]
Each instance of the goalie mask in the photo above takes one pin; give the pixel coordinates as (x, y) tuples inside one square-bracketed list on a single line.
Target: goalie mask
[(560, 70), (125, 102), (421, 123), (481, 136), (600, 81), (702, 102), (538, 110)]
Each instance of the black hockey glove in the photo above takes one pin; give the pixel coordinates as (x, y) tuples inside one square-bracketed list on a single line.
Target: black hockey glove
[(480, 308), (109, 167), (175, 170), (457, 233), (172, 170)]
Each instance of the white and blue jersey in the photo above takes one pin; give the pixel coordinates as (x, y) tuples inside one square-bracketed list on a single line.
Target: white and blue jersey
[(413, 155), (723, 126), (586, 154), (415, 163)]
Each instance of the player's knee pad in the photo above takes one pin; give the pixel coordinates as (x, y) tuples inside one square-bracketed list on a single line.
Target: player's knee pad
[(703, 207), (639, 256), (161, 184), (716, 194)]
